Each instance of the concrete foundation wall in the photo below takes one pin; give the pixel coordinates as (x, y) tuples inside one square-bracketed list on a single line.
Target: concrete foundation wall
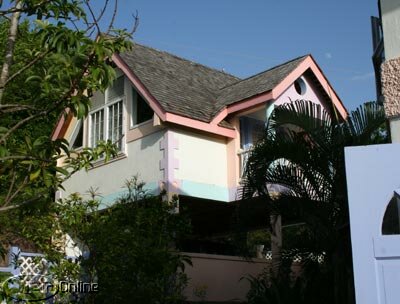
[(220, 277)]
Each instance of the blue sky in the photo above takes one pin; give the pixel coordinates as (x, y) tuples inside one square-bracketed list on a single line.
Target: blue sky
[(247, 37)]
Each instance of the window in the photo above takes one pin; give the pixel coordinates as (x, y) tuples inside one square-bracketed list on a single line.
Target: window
[(300, 86), (106, 120), (77, 136), (97, 127), (141, 111), (115, 123), (252, 130)]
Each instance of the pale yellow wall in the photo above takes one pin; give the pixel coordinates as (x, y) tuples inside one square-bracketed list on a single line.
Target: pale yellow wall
[(142, 157), (202, 158)]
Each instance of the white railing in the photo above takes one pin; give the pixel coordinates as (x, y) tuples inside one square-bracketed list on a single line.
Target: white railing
[(243, 156), (23, 263)]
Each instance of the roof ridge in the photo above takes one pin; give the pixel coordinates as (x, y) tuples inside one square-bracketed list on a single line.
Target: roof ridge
[(267, 70), (184, 59)]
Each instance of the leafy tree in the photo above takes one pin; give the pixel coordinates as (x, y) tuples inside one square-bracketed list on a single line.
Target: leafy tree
[(129, 250), (53, 56), (131, 245), (299, 168)]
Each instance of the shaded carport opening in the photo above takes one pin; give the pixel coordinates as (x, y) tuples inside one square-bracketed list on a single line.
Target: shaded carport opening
[(216, 225), (221, 227)]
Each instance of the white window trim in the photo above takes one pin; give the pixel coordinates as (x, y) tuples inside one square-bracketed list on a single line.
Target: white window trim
[(105, 108)]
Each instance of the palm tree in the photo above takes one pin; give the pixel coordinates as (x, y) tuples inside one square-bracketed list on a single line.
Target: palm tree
[(299, 168)]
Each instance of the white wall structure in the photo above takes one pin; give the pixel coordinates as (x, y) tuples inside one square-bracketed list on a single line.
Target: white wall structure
[(390, 10), (373, 181)]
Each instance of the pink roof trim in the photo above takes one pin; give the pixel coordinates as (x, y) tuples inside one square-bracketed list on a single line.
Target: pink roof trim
[(200, 125), (62, 125), (309, 63), (166, 116), (154, 104), (212, 127)]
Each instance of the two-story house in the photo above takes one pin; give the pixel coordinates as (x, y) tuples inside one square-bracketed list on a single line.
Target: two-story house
[(182, 126), (187, 129)]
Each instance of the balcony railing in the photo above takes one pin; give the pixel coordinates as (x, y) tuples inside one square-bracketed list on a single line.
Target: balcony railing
[(243, 155)]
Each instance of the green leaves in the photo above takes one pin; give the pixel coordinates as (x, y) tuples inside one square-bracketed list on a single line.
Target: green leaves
[(130, 245), (3, 151), (34, 175), (55, 67)]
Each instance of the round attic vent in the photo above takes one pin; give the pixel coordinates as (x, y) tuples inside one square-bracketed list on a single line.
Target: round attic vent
[(300, 86)]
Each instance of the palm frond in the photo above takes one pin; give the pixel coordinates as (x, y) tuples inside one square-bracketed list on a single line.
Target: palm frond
[(302, 114), (364, 122)]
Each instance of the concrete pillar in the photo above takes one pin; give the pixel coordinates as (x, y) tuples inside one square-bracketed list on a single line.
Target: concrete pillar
[(391, 93)]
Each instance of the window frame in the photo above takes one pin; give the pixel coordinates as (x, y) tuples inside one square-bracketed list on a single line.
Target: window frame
[(133, 97), (108, 103), (79, 125)]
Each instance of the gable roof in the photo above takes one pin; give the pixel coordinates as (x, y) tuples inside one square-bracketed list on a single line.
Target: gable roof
[(257, 84), (196, 96), (193, 90)]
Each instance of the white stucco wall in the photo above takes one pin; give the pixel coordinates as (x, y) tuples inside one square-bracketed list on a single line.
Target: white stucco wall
[(143, 158), (372, 179), (391, 27)]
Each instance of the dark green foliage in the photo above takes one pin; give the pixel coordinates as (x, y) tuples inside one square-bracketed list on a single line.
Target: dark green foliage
[(133, 257), (132, 247), (312, 287), (301, 157)]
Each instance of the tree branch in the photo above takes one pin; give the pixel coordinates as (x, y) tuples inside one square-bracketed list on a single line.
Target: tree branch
[(23, 184), (20, 123), (24, 157), (11, 185), (135, 23), (95, 23), (20, 9), (102, 11), (39, 57), (15, 108), (12, 36), (2, 209), (113, 17)]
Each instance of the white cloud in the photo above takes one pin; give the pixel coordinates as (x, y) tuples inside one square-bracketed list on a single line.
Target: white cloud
[(328, 55), (363, 76)]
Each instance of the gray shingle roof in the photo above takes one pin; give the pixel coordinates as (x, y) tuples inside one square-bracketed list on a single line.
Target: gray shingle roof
[(193, 90), (257, 84), (180, 86)]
